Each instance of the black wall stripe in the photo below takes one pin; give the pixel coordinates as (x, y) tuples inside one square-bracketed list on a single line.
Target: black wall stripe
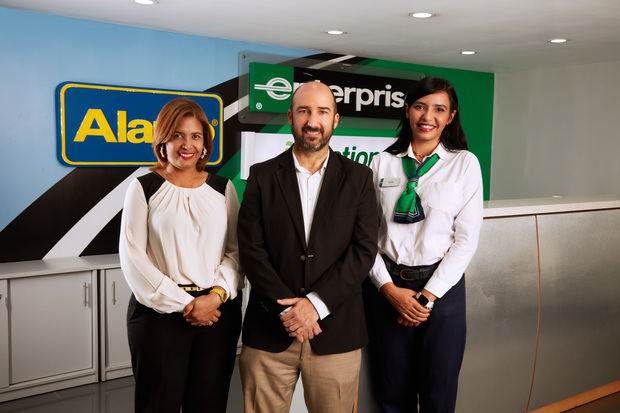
[(354, 60), (40, 226), (324, 56), (106, 241)]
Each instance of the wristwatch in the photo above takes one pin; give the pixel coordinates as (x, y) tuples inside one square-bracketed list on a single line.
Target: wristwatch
[(219, 291), (424, 301)]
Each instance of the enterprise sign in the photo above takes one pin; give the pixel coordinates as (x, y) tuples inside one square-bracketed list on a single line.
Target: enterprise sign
[(272, 86), (113, 125)]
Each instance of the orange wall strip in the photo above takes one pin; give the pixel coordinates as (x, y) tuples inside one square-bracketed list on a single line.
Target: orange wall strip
[(580, 399)]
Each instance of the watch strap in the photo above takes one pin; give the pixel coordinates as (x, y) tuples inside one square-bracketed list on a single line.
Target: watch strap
[(424, 301), (220, 291)]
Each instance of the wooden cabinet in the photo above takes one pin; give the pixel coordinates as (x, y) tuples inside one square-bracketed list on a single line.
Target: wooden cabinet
[(115, 293), (49, 333)]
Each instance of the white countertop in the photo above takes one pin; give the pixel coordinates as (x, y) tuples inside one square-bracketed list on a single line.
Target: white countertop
[(492, 209), (551, 205), (57, 266)]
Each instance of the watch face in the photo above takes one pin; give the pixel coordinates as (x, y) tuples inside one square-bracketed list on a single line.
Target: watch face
[(422, 300)]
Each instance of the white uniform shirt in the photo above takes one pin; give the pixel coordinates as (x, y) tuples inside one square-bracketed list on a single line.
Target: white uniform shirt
[(309, 189), (183, 236), (451, 197)]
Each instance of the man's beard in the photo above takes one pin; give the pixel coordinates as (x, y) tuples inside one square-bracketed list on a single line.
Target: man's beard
[(317, 145)]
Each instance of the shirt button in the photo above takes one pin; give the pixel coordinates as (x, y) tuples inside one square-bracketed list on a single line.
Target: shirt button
[(302, 258)]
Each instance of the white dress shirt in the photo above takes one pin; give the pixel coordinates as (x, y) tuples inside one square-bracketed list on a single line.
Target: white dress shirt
[(309, 189), (183, 236), (451, 197)]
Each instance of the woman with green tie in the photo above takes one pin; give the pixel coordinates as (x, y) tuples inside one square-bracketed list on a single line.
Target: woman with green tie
[(429, 188)]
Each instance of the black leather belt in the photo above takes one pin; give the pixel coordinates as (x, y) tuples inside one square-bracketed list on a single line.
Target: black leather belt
[(404, 272), (194, 290)]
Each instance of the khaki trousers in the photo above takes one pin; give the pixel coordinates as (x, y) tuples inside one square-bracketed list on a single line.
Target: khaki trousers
[(330, 381)]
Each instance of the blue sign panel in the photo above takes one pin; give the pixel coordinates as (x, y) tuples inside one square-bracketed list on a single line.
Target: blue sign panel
[(112, 125)]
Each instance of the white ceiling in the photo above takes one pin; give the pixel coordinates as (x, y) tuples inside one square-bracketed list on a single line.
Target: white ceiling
[(508, 34)]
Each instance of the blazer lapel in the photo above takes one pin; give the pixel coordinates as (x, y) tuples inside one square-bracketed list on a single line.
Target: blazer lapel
[(287, 179), (332, 181)]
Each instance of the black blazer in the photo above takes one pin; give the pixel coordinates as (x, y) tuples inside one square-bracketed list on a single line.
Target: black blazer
[(274, 256)]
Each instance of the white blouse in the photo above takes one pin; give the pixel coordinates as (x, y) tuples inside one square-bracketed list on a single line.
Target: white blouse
[(451, 197), (183, 236)]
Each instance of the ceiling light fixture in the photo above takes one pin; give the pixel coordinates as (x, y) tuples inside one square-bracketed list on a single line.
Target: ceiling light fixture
[(335, 32), (468, 52), (146, 2), (557, 41), (421, 15)]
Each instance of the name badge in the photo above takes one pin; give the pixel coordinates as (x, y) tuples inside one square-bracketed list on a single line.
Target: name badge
[(388, 182)]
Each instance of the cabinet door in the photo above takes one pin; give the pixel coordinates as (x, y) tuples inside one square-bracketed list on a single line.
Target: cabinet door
[(117, 294), (51, 323)]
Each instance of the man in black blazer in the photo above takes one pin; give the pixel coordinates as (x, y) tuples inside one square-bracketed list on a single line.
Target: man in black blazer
[(307, 239)]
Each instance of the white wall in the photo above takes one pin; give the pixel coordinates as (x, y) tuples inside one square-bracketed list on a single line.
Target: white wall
[(556, 131)]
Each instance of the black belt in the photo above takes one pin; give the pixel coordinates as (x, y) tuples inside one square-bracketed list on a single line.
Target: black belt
[(404, 272), (194, 290)]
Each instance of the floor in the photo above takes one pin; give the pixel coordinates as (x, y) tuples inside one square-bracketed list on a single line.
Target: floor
[(109, 396), (117, 396), (609, 404)]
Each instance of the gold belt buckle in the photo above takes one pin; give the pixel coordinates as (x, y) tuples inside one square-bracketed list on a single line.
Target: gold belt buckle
[(191, 288)]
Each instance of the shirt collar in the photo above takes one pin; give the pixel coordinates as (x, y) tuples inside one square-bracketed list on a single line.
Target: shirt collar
[(300, 168), (439, 150)]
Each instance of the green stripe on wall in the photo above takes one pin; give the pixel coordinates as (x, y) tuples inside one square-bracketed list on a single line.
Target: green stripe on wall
[(232, 171)]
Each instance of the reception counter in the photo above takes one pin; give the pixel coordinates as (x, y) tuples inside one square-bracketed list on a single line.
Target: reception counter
[(542, 310), (543, 304), (543, 307)]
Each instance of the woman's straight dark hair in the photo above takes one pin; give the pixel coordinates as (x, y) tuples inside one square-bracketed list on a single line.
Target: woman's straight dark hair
[(452, 137)]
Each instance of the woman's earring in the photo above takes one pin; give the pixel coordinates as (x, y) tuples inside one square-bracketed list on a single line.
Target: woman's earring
[(162, 152), (204, 153)]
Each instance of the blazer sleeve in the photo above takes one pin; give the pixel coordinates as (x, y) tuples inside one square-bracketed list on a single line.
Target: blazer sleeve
[(344, 278), (253, 254)]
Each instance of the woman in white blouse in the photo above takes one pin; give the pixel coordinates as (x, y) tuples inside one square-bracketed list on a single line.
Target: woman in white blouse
[(429, 188), (178, 251)]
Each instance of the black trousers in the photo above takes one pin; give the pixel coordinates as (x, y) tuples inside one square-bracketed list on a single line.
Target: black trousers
[(414, 366), (176, 365)]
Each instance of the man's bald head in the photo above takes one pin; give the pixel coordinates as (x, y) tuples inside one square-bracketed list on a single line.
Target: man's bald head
[(313, 116), (317, 86)]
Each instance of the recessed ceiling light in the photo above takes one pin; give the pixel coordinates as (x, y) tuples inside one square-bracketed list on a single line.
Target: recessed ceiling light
[(146, 2), (468, 52), (557, 41), (421, 14), (335, 32)]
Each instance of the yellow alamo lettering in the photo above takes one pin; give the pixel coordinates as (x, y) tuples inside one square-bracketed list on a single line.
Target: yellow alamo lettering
[(102, 128)]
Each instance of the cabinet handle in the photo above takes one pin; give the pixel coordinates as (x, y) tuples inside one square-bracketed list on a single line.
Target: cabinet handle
[(85, 295), (113, 292)]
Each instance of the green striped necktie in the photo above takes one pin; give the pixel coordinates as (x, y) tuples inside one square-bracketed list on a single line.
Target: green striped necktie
[(409, 208)]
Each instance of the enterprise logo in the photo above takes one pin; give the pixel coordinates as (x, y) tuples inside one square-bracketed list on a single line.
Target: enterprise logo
[(277, 88), (271, 88)]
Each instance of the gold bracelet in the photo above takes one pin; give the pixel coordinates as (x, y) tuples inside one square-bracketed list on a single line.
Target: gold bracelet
[(219, 291)]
